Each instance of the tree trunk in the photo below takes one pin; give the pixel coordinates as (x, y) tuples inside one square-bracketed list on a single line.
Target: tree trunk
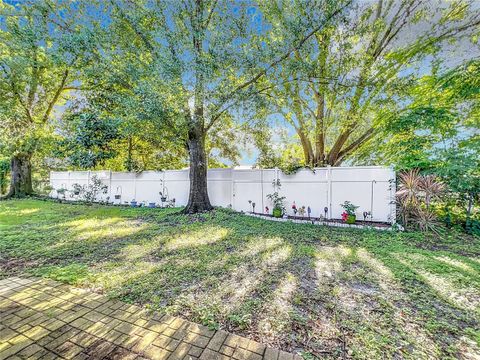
[(3, 181), (129, 162), (198, 200), (21, 176)]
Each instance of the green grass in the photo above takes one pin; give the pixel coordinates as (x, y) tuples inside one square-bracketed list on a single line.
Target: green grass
[(324, 292)]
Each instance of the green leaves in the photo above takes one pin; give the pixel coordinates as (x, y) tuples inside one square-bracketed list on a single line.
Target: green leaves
[(88, 141)]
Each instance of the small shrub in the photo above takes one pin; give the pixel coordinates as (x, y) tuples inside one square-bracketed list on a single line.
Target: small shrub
[(89, 193), (278, 201)]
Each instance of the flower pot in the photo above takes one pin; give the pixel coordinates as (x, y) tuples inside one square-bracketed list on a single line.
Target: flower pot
[(277, 212), (151, 205), (163, 199), (133, 203), (117, 197), (351, 219)]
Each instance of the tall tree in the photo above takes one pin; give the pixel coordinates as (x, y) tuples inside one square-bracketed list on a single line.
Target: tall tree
[(40, 49), (337, 90), (211, 54)]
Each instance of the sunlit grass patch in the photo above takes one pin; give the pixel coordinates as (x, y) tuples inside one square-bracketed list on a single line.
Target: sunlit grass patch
[(275, 317), (457, 263), (203, 236), (75, 274), (447, 284)]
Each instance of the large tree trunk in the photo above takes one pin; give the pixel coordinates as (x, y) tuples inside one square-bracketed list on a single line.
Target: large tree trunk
[(21, 176), (3, 181), (198, 200)]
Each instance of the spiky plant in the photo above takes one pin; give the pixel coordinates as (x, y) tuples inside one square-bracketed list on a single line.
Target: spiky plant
[(408, 194), (431, 188), (426, 220), (414, 196)]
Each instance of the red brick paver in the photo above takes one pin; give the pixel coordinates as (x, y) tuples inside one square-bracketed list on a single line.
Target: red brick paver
[(44, 319)]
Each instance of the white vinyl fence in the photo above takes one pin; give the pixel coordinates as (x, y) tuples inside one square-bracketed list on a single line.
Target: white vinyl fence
[(371, 188)]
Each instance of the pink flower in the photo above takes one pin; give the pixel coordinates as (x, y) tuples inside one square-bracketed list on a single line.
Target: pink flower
[(344, 216)]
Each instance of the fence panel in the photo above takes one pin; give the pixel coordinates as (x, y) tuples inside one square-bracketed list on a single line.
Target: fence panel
[(370, 188)]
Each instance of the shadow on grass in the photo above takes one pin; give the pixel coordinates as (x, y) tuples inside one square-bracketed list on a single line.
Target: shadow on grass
[(327, 292)]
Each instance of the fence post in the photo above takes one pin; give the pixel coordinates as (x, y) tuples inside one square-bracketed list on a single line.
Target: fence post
[(393, 190), (135, 186), (110, 187), (261, 184), (232, 188), (329, 190)]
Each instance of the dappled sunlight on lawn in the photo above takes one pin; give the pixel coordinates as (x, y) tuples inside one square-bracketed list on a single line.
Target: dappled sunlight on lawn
[(365, 293), (332, 293), (239, 278), (467, 298), (385, 274), (275, 317), (245, 278), (203, 236), (112, 275), (259, 244), (91, 223), (455, 263), (16, 212), (28, 211), (477, 260), (329, 261), (141, 250), (402, 317), (275, 257), (102, 229), (18, 216), (469, 349)]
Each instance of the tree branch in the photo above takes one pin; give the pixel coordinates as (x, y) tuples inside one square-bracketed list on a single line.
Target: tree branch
[(281, 58), (357, 143), (54, 100)]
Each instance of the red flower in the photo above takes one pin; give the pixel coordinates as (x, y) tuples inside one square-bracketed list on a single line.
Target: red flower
[(344, 216)]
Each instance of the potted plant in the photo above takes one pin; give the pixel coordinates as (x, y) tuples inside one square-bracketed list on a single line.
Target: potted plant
[(278, 204), (151, 204), (133, 203), (349, 214)]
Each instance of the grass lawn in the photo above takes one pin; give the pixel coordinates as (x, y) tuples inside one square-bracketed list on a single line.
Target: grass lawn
[(325, 292)]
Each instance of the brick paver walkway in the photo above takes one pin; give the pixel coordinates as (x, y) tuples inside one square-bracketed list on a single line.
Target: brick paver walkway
[(49, 320)]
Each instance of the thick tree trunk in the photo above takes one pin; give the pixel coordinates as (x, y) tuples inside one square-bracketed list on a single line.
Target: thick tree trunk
[(21, 176), (129, 162), (3, 182), (198, 200)]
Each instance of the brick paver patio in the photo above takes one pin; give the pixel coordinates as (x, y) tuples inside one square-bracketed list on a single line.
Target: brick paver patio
[(49, 320)]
